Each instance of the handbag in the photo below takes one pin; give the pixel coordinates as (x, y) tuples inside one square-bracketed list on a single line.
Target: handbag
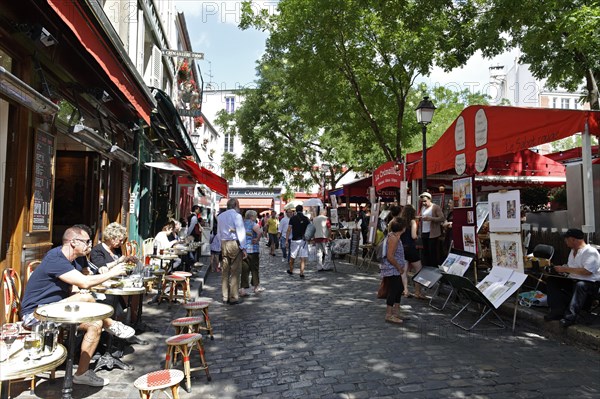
[(382, 292)]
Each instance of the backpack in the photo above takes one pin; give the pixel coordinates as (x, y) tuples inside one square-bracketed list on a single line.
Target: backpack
[(309, 233), (381, 250)]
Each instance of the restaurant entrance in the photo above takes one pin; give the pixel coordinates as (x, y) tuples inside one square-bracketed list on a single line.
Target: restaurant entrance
[(75, 190)]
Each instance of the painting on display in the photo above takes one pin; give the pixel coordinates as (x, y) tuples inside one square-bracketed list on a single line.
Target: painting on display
[(468, 234), (507, 251), (462, 192), (505, 211)]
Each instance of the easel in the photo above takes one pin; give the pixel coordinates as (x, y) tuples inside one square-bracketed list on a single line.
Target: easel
[(466, 288)]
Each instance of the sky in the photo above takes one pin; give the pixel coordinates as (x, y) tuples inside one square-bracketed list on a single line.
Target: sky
[(230, 54)]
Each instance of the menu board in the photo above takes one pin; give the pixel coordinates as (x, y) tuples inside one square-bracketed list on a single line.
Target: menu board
[(43, 166)]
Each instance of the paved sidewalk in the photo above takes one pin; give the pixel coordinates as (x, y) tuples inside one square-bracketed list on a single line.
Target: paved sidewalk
[(325, 337)]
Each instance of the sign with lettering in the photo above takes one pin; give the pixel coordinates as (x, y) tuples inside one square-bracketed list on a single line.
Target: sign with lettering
[(386, 175), (181, 53), (253, 192), (42, 181)]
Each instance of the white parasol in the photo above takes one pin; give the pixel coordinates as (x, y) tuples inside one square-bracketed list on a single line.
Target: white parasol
[(292, 204), (313, 202)]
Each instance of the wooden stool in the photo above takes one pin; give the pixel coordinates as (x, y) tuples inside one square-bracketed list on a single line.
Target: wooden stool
[(173, 282), (159, 381), (187, 286), (192, 307), (184, 343), (187, 324)]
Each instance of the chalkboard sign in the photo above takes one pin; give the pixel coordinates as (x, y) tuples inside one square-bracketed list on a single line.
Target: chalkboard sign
[(354, 241), (43, 167)]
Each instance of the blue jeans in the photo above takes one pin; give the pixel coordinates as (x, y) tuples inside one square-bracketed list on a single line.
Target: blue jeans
[(282, 242)]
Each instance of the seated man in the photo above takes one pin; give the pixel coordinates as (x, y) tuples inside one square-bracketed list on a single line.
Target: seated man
[(55, 279), (566, 296)]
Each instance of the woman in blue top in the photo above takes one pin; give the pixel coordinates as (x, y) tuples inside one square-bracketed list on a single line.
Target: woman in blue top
[(250, 264), (392, 266)]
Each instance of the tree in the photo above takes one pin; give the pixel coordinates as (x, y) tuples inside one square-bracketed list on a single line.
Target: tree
[(279, 146), (352, 63), (559, 39)]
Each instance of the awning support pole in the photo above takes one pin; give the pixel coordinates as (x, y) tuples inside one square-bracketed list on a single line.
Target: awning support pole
[(588, 187)]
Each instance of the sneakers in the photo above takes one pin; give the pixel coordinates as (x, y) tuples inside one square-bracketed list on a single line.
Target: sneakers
[(90, 378), (120, 330), (290, 272), (242, 292), (258, 289)]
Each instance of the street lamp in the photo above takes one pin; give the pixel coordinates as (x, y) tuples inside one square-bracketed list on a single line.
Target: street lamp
[(425, 111), (324, 171)]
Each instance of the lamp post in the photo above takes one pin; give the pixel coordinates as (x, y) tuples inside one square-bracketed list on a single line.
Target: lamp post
[(425, 111)]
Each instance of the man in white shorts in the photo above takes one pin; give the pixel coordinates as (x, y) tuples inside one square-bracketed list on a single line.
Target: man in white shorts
[(298, 246)]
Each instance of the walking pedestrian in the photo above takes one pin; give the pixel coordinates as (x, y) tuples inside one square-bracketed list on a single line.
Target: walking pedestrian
[(272, 228), (322, 234), (251, 263), (233, 249), (283, 237), (298, 246)]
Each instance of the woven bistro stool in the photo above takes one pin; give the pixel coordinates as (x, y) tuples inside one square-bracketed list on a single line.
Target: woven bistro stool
[(187, 275), (173, 282), (192, 307), (159, 380), (184, 344), (187, 324)]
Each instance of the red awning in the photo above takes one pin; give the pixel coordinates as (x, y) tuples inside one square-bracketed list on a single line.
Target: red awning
[(490, 131), (204, 176), (75, 17), (250, 203), (386, 176), (360, 188)]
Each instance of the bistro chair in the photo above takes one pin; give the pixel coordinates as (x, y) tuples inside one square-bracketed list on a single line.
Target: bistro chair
[(186, 286), (183, 344), (160, 380), (173, 282), (11, 288), (185, 325)]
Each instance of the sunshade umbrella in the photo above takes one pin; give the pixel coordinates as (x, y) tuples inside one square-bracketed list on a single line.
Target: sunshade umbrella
[(313, 202), (292, 204)]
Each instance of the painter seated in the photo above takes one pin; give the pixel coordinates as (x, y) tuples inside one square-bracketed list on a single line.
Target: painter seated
[(57, 279), (108, 253), (567, 296)]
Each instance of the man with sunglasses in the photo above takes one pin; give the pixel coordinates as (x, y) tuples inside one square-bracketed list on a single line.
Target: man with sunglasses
[(54, 280)]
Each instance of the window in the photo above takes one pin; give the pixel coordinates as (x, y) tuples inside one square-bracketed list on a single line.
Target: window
[(554, 102), (230, 105), (564, 103), (228, 144)]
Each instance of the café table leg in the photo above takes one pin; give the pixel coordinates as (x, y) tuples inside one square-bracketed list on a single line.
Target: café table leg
[(4, 389), (159, 289), (107, 359), (139, 324), (68, 383)]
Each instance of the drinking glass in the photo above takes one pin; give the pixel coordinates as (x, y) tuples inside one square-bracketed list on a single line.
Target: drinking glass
[(10, 332), (32, 345)]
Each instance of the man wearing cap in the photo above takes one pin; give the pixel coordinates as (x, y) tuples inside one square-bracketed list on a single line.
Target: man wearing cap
[(431, 217), (566, 296)]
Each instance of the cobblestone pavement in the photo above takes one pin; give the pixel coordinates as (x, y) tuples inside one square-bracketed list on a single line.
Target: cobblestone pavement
[(325, 337)]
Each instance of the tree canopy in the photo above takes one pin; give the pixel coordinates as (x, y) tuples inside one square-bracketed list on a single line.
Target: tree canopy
[(559, 39)]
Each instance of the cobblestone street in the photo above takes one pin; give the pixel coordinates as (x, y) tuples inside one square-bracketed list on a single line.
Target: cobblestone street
[(325, 337)]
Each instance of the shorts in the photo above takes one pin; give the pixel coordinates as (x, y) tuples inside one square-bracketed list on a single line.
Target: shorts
[(411, 254), (298, 249)]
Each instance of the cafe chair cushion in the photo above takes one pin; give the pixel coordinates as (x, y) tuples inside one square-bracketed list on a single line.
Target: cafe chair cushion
[(158, 380)]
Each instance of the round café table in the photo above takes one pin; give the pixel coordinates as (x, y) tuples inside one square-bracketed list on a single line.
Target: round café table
[(16, 367), (72, 314)]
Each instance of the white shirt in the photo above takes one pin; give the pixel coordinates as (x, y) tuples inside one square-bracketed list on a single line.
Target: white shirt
[(231, 227), (426, 225), (162, 240), (283, 226), (588, 258)]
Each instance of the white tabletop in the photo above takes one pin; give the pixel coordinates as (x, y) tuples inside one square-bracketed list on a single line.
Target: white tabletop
[(87, 311), (17, 367)]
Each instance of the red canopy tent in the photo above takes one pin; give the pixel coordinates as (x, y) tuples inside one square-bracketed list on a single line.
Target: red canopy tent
[(484, 132)]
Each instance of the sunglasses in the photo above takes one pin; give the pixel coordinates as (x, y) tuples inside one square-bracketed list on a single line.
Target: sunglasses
[(86, 242)]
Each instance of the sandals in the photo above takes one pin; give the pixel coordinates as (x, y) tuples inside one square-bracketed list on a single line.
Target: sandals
[(420, 296), (407, 295), (393, 319)]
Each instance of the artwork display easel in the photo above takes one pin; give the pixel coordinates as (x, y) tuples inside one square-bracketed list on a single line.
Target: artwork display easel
[(465, 288), (456, 263)]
